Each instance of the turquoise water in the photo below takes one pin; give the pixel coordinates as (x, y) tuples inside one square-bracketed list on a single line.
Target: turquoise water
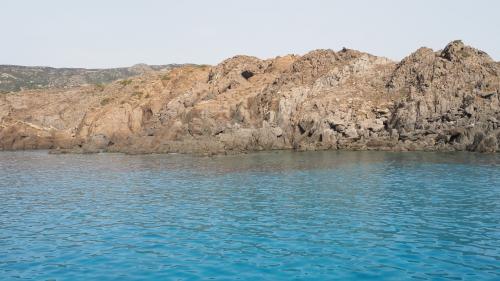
[(263, 216)]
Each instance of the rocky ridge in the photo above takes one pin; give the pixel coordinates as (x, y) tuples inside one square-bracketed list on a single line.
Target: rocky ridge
[(446, 100)]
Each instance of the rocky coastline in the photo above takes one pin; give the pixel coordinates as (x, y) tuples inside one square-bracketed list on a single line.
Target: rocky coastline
[(446, 100)]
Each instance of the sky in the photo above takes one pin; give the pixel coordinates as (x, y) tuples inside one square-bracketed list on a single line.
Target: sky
[(115, 33)]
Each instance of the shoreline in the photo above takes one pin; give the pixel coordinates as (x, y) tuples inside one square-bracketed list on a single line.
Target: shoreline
[(237, 153)]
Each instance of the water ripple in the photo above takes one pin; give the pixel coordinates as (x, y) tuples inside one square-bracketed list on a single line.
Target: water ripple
[(264, 216)]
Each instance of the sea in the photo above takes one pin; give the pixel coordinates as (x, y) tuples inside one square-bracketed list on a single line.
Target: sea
[(279, 215)]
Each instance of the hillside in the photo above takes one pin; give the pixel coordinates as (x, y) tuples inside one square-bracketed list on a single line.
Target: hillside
[(446, 100), (15, 78)]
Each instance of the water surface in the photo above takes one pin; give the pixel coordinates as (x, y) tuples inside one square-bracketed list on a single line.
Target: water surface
[(263, 216)]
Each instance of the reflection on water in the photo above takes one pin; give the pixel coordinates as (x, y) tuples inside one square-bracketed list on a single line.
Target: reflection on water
[(273, 215)]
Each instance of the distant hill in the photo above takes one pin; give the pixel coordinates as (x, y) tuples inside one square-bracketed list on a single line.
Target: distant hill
[(16, 78)]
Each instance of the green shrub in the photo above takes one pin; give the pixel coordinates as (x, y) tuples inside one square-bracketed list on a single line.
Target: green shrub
[(137, 94), (464, 53), (105, 101), (100, 87), (125, 82)]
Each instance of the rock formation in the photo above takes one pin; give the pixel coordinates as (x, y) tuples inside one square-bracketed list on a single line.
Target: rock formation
[(446, 100)]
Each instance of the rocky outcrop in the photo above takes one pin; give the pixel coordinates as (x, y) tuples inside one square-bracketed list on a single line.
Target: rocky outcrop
[(444, 100), (450, 100)]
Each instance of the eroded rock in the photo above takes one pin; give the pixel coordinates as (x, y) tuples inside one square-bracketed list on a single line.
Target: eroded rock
[(444, 100)]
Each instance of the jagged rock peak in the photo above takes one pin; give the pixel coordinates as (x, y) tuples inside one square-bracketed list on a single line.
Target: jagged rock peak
[(457, 50)]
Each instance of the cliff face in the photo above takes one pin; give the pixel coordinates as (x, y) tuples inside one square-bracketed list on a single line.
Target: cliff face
[(445, 100), (451, 99)]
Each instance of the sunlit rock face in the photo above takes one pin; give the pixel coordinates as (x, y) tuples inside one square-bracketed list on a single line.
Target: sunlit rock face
[(444, 100)]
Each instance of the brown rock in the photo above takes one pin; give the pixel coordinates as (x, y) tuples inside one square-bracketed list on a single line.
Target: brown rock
[(445, 100)]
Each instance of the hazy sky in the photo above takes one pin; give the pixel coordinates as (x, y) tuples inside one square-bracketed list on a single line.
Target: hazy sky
[(111, 33)]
